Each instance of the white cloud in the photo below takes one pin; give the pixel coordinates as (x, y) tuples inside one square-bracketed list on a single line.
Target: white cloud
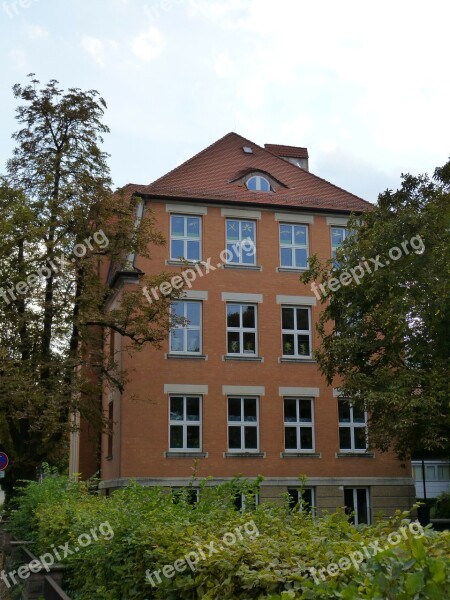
[(35, 32), (223, 65), (148, 45), (95, 48)]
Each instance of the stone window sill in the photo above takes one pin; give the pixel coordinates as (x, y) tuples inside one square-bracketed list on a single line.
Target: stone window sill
[(355, 455), (288, 270), (187, 356), (173, 454), (300, 455), (294, 359), (243, 267), (243, 358), (244, 455)]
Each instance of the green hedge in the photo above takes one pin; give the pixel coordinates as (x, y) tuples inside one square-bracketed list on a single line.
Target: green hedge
[(151, 528)]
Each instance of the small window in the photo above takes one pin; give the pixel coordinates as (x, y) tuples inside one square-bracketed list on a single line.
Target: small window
[(302, 499), (242, 329), (298, 424), (293, 246), (357, 505), (241, 242), (186, 495), (186, 335), (243, 424), (258, 183), (185, 237), (338, 235), (244, 502), (352, 427), (185, 423), (296, 331)]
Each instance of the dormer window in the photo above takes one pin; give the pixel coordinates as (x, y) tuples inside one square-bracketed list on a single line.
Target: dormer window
[(258, 183)]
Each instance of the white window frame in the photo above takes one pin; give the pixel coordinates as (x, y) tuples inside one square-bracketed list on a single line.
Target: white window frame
[(294, 246), (298, 425), (184, 238), (238, 244), (241, 329), (352, 425), (184, 423), (243, 498), (296, 332), (346, 231), (259, 179), (312, 505), (242, 424), (355, 504), (187, 327)]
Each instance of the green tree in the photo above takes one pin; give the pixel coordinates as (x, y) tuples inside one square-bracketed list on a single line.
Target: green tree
[(60, 226), (385, 339)]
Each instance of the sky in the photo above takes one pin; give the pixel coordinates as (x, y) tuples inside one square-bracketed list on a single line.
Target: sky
[(364, 86)]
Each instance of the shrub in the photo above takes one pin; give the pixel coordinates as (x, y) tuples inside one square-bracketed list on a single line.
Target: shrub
[(442, 506)]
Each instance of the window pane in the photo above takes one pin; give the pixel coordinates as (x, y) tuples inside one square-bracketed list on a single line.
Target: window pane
[(234, 437), (443, 472), (305, 411), (248, 230), (233, 315), (252, 184), (232, 254), (177, 225), (349, 503), (193, 313), (430, 473), (193, 227), (233, 342), (344, 411), (250, 409), (300, 235), (345, 438), (337, 236), (248, 316), (248, 254), (303, 345), (290, 411), (193, 436), (193, 250), (358, 415), (286, 234), (192, 409), (303, 319), (176, 436), (251, 438), (290, 438), (176, 248), (294, 497), (232, 230), (193, 341), (306, 441), (264, 185), (176, 340), (286, 257), (360, 438), (301, 258), (234, 409), (287, 318), (362, 512), (176, 409), (307, 497), (288, 344), (249, 343)]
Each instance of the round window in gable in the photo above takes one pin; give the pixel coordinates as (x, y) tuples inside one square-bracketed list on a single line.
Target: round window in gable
[(257, 183)]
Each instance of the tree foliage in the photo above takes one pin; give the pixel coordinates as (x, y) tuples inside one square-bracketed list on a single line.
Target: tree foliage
[(385, 341), (60, 224)]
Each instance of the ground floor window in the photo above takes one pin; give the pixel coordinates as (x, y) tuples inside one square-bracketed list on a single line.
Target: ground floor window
[(302, 499), (357, 505), (244, 502), (190, 495)]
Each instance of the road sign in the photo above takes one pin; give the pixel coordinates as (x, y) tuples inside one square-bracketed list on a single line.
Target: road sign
[(4, 460)]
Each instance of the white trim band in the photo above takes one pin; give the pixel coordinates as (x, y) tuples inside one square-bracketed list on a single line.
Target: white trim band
[(308, 300), (337, 393), (240, 214), (192, 209), (297, 218), (181, 388), (243, 390), (235, 297), (337, 221), (194, 295), (299, 391)]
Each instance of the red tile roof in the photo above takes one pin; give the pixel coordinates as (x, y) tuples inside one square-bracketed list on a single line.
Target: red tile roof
[(211, 174), (289, 151)]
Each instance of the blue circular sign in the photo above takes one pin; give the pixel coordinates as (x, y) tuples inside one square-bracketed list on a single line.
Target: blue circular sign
[(4, 460)]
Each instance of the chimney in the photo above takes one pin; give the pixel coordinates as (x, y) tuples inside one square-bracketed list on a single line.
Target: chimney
[(293, 154)]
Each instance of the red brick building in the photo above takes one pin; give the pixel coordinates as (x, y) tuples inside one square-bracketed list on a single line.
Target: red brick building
[(237, 388)]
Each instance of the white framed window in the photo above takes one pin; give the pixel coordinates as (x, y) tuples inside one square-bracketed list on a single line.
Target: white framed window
[(357, 504), (298, 424), (293, 246), (242, 326), (243, 419), (258, 183), (185, 423), (190, 495), (296, 331), (243, 502), (352, 427), (302, 499), (241, 242), (186, 332), (185, 237), (338, 235)]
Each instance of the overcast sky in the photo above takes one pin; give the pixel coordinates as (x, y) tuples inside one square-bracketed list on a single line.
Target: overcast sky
[(366, 87)]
